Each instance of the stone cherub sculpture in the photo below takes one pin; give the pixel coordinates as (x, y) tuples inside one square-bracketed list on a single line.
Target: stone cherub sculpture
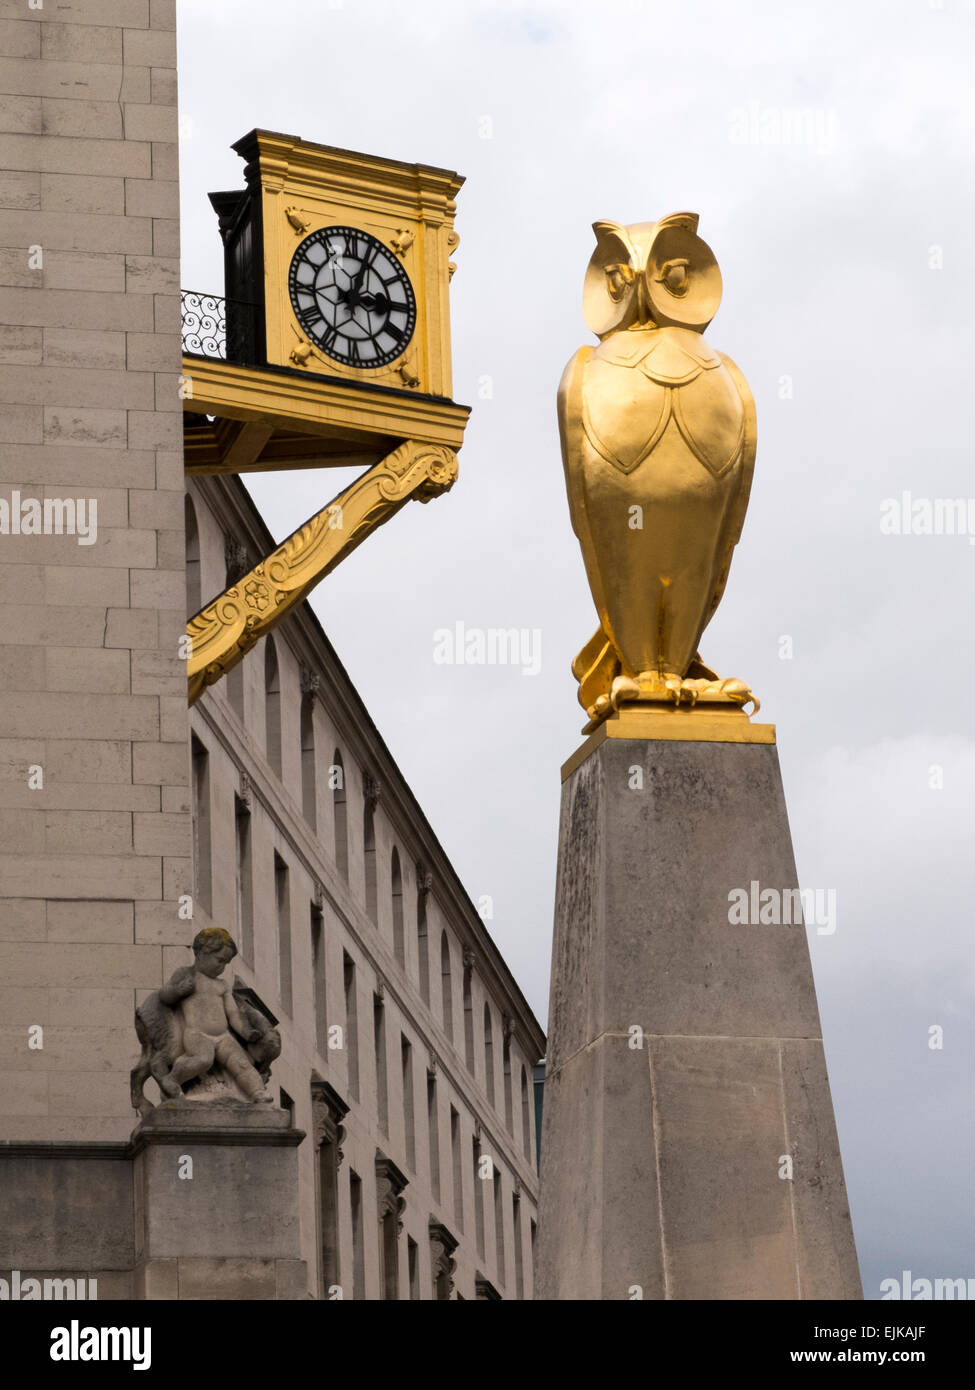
[(199, 1040)]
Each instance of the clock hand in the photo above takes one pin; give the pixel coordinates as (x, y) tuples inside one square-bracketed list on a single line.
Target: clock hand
[(374, 303)]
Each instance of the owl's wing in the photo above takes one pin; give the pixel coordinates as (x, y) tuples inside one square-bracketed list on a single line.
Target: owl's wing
[(735, 519), (570, 434), (598, 662)]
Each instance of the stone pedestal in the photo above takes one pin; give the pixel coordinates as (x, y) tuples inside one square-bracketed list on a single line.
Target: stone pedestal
[(685, 1074), (216, 1203)]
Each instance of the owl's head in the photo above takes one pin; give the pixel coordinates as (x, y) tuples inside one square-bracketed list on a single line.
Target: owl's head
[(652, 274)]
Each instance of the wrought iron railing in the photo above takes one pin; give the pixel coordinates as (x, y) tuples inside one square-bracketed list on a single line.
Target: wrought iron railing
[(214, 326), (204, 324)]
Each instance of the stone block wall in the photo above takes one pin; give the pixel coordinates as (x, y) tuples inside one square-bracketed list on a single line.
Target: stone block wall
[(94, 812)]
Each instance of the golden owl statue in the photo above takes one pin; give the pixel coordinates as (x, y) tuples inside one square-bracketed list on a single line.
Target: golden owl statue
[(658, 443)]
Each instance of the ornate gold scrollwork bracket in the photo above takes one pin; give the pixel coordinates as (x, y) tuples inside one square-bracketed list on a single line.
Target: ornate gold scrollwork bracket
[(223, 632)]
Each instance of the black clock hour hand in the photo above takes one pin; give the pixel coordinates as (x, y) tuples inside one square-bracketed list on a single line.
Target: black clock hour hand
[(373, 303)]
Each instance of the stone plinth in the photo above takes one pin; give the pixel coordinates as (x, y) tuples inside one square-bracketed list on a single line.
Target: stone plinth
[(685, 1067), (216, 1203)]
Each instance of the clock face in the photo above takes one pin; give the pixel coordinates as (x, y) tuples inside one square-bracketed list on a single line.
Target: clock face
[(352, 297)]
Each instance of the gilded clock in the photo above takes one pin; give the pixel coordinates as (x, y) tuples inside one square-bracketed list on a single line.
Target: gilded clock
[(352, 297)]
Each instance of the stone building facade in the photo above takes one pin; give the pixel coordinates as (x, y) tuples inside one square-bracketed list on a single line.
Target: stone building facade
[(408, 1048), (275, 810)]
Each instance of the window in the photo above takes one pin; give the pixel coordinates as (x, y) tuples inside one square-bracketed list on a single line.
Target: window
[(488, 1053), (202, 871), (478, 1197), (351, 1023), (519, 1238), (369, 855), (328, 1180), (526, 1116), (390, 1183), (282, 899), (319, 979), (458, 1169), (499, 1225), (506, 1066), (422, 940), (244, 908), (358, 1260), (309, 797), (235, 688), (272, 706), (413, 1263), (194, 598), (379, 1038), (336, 781), (446, 992), (468, 1019), (389, 1251), (399, 945), (409, 1119), (433, 1135)]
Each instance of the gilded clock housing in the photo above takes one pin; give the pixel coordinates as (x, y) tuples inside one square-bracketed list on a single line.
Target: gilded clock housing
[(336, 277), (300, 196)]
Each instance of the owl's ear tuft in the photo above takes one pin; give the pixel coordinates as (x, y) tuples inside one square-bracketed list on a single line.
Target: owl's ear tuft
[(605, 225), (686, 221)]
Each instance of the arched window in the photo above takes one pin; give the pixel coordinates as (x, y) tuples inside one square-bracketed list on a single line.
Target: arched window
[(506, 1067), (526, 1116), (468, 1015), (369, 855), (399, 945), (235, 688), (309, 798), (336, 781), (194, 599), (422, 938), (488, 1052), (272, 706), (446, 992)]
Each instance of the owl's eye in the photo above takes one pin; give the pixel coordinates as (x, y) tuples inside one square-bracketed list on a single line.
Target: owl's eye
[(673, 276), (617, 278)]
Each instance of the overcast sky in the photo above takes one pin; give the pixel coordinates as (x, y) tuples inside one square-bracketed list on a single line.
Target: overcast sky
[(847, 262)]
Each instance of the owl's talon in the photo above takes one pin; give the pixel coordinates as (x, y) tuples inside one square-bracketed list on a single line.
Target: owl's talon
[(623, 688)]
